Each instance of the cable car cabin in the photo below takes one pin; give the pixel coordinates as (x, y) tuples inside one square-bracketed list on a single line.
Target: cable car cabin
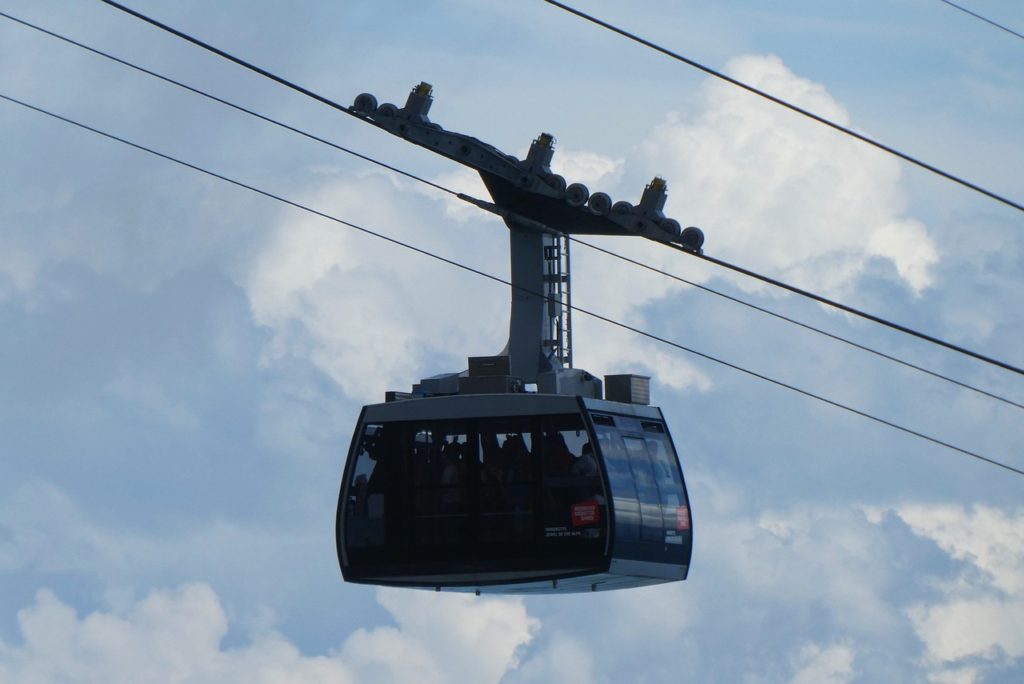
[(513, 493)]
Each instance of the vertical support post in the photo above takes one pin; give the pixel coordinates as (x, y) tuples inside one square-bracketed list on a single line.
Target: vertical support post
[(567, 304), (557, 289), (536, 309)]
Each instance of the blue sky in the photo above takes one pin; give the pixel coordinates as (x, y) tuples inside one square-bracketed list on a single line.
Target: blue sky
[(184, 360)]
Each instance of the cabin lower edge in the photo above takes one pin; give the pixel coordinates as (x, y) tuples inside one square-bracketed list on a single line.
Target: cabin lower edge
[(622, 574)]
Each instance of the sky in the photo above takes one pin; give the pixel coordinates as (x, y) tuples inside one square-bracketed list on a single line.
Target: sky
[(183, 360)]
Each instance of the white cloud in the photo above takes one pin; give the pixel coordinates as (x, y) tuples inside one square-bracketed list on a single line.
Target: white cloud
[(611, 288), (782, 194), (168, 636), (606, 349), (966, 675), (466, 181), (961, 628), (772, 191), (817, 665), (177, 636), (448, 637), (641, 615), (349, 303), (982, 610), (908, 246), (594, 170), (564, 658), (808, 555), (366, 312), (810, 205), (989, 538), (802, 569)]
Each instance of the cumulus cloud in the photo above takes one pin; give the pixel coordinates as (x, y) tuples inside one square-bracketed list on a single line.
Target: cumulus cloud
[(772, 191), (597, 171), (168, 636), (610, 349), (821, 576), (982, 610), (964, 627), (564, 658), (369, 314), (812, 594), (817, 665), (783, 194), (810, 555), (989, 538), (466, 181), (177, 636), (449, 637), (791, 586), (350, 304)]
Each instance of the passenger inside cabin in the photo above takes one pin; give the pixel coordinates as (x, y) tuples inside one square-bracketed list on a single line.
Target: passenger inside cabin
[(557, 456), (516, 459), (490, 455), (451, 478)]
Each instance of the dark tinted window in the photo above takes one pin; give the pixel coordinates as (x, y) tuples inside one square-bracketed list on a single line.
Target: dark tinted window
[(646, 489), (474, 491), (621, 482), (675, 508), (441, 493), (375, 498), (574, 503), (507, 480), (645, 480)]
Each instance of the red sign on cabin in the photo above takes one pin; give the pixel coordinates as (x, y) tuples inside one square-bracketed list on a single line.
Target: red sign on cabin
[(585, 513), (682, 518)]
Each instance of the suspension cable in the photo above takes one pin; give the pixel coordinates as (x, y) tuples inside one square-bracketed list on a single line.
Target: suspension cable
[(823, 300), (487, 206), (508, 283), (856, 312), (984, 19), (876, 319), (779, 101)]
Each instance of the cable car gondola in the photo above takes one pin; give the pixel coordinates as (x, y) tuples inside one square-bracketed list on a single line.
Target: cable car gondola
[(516, 493), (521, 474)]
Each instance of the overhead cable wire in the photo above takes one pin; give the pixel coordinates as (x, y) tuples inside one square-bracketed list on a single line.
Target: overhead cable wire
[(779, 101), (489, 276), (493, 208), (823, 300), (231, 58), (487, 206), (807, 326), (210, 96), (851, 310), (984, 19)]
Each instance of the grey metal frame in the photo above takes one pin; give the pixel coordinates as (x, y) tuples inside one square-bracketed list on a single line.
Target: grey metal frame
[(540, 210)]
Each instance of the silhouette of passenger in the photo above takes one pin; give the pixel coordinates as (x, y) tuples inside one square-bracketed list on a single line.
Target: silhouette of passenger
[(557, 458)]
